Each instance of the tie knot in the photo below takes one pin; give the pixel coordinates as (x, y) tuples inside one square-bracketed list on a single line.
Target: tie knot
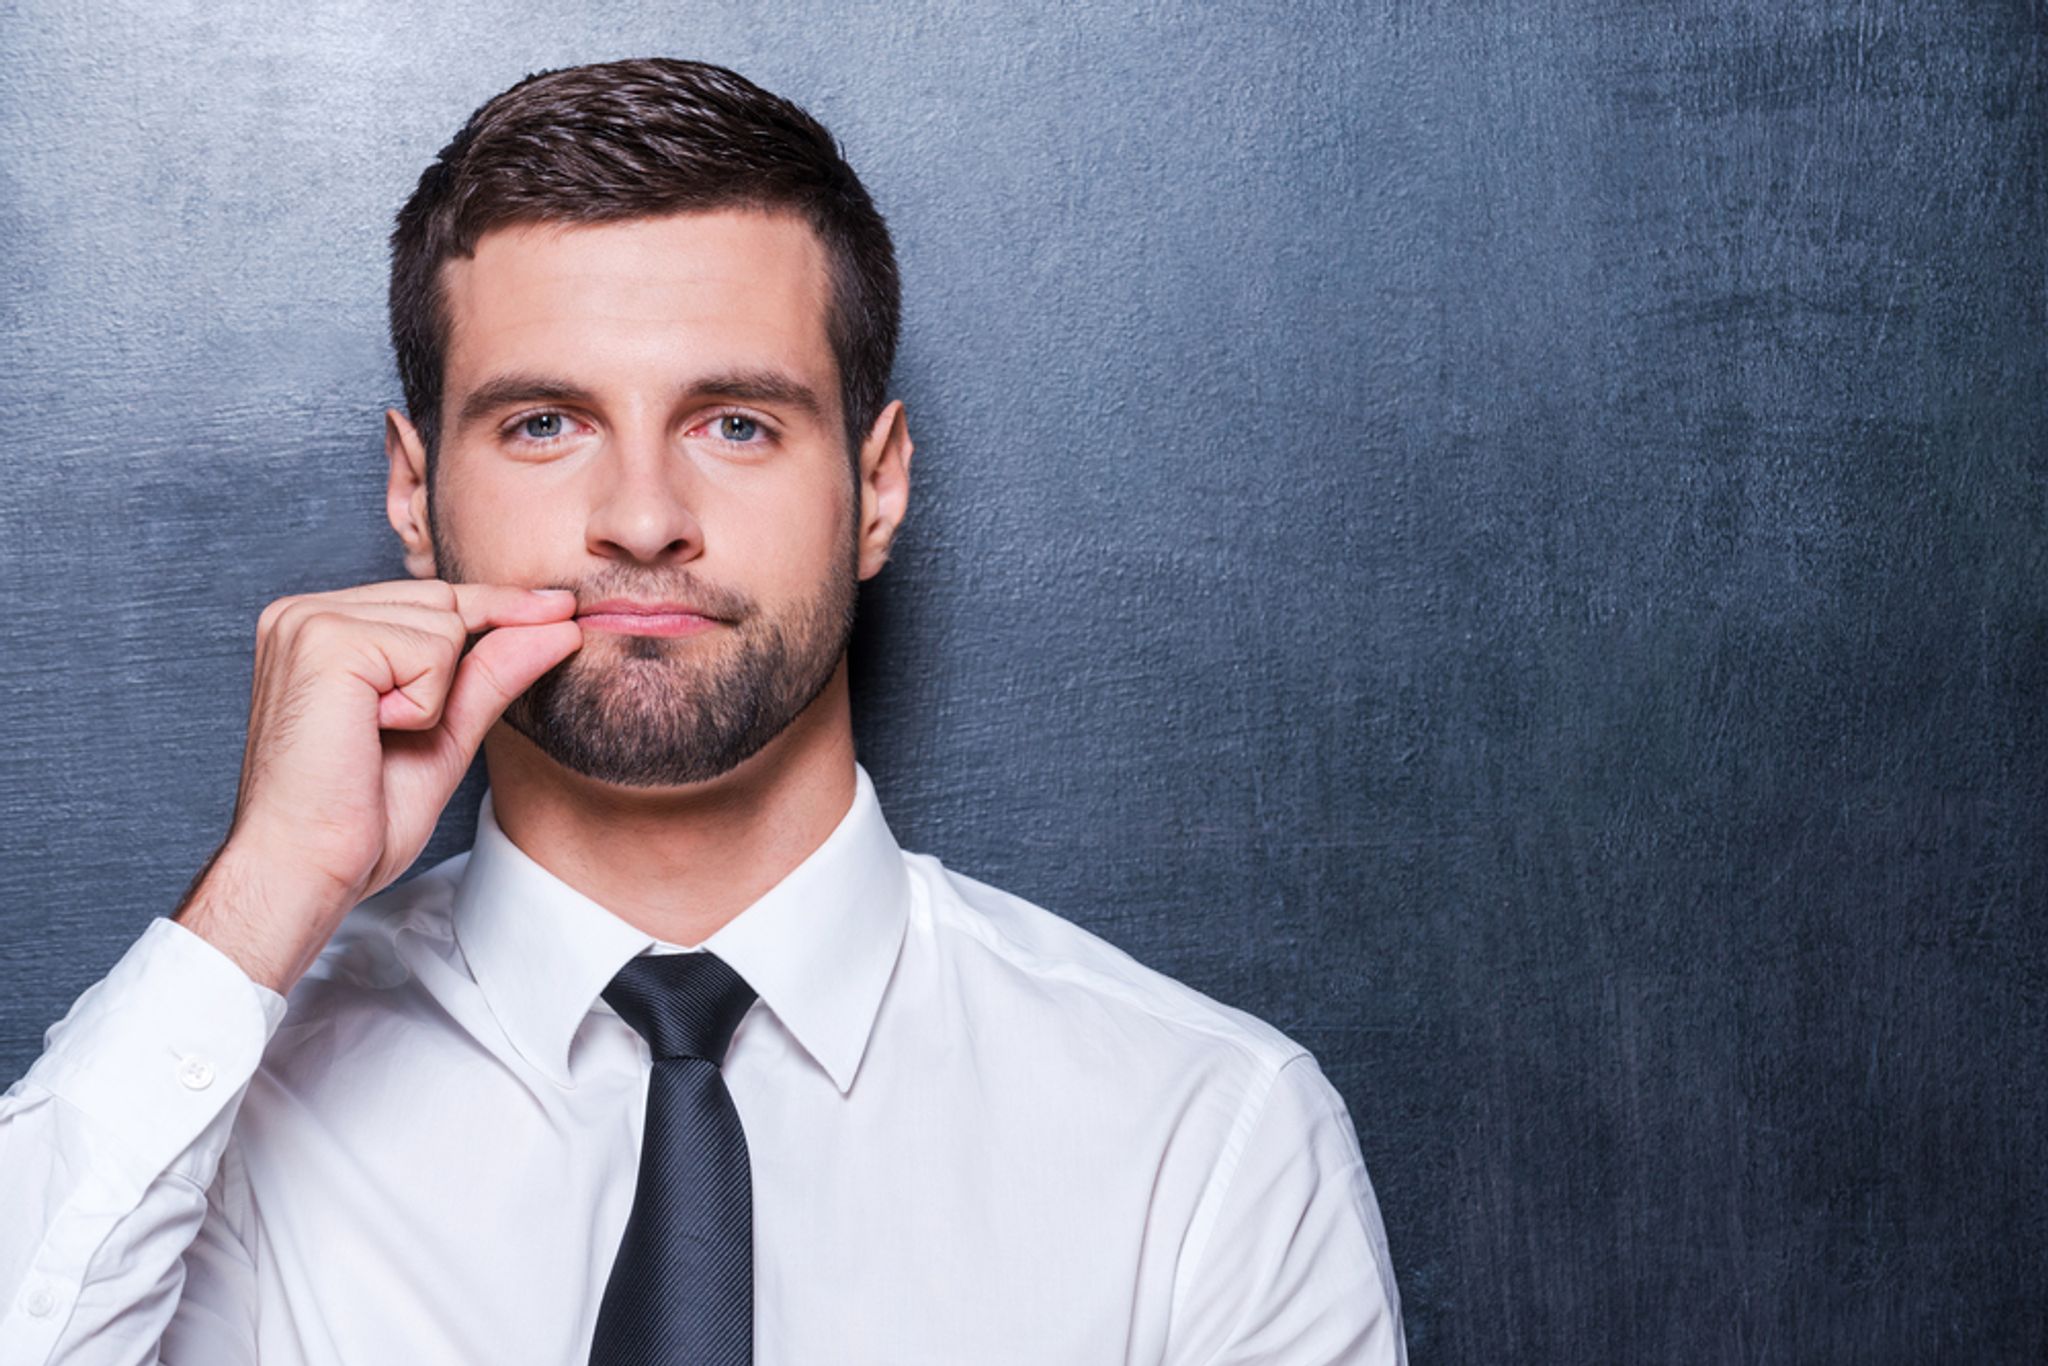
[(686, 1005)]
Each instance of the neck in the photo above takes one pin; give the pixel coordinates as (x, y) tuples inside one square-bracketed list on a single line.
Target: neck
[(679, 863)]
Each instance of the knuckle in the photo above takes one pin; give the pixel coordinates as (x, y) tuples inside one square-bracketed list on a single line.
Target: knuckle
[(274, 610), (426, 648), (425, 656), (427, 636), (434, 595), (318, 621), (323, 631)]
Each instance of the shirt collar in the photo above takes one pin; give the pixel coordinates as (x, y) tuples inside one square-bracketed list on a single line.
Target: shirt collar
[(818, 947)]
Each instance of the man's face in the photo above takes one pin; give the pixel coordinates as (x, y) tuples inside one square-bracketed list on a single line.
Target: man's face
[(648, 410)]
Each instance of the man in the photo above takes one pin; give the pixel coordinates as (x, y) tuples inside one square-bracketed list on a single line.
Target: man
[(685, 1060)]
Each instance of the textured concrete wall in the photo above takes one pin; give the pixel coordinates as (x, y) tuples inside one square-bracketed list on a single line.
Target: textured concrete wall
[(1506, 539)]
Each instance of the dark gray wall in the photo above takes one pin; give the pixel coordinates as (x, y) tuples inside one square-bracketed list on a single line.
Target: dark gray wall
[(1507, 540)]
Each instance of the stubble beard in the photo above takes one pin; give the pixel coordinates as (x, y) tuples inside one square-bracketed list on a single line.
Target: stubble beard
[(662, 711)]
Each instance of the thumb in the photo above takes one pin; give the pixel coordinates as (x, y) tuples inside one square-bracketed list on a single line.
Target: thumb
[(503, 664)]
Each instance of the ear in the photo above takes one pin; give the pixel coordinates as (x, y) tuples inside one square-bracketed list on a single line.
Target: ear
[(884, 486), (405, 494)]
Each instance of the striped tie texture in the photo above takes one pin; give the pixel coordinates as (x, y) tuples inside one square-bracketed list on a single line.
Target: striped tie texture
[(681, 1292)]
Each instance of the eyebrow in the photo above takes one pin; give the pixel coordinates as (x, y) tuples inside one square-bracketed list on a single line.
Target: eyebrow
[(769, 388)]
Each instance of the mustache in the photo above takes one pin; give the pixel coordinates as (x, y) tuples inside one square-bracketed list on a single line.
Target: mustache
[(725, 604)]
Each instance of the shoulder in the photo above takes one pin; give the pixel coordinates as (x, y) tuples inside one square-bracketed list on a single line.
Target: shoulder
[(1033, 958)]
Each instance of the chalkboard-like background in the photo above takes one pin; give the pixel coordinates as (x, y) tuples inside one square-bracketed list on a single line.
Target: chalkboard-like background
[(1508, 540)]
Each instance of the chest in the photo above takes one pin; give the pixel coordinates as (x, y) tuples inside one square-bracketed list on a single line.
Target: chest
[(943, 1223)]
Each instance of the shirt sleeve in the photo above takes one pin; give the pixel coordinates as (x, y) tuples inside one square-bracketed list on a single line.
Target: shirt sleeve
[(109, 1145), (1293, 1270)]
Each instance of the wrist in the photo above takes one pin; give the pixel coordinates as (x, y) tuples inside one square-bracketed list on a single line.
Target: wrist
[(270, 923)]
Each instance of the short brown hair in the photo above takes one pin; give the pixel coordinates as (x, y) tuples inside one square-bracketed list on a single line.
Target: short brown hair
[(635, 139)]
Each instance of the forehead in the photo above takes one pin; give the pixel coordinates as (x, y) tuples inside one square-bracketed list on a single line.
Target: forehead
[(699, 290)]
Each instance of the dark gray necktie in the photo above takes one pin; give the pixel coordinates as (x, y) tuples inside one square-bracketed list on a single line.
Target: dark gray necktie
[(681, 1292)]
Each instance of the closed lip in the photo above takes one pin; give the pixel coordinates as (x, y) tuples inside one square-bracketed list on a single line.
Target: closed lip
[(626, 607)]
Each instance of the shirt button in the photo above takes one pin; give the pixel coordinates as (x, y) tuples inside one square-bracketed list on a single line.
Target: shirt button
[(196, 1073), (40, 1300)]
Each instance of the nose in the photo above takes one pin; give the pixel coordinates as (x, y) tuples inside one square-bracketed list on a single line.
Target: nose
[(644, 506)]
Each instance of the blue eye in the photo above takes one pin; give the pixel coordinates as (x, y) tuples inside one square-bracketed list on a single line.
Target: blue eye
[(734, 427), (542, 426)]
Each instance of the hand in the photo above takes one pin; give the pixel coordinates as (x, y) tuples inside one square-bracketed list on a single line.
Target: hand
[(364, 716)]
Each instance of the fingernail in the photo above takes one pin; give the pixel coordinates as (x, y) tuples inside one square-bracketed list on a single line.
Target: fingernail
[(555, 594)]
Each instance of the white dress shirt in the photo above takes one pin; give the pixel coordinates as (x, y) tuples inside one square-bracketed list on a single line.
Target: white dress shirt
[(978, 1135)]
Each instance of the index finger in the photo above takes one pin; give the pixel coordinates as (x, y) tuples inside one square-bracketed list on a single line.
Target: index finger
[(480, 605), (483, 605)]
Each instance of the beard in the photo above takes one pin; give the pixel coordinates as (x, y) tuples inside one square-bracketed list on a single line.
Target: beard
[(663, 711)]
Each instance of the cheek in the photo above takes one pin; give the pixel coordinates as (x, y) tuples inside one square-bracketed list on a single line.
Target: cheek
[(782, 546), (503, 534), (799, 513)]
